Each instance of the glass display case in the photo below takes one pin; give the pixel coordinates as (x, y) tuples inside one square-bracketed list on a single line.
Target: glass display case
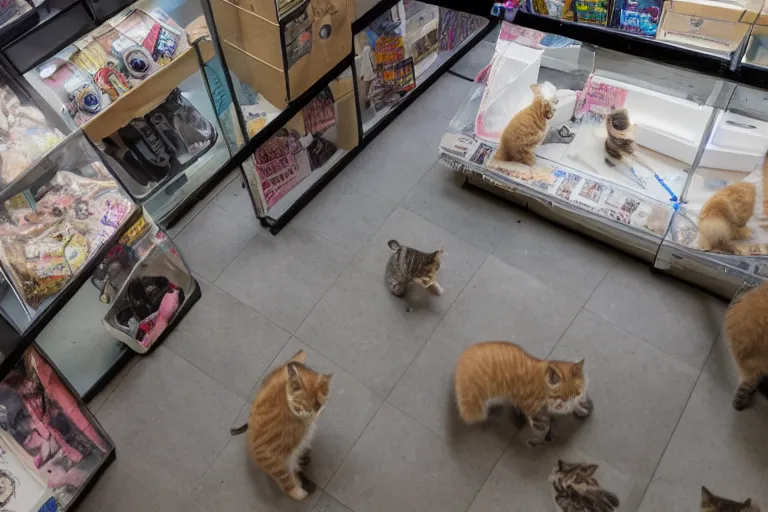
[(402, 48), (135, 84), (305, 149), (630, 152)]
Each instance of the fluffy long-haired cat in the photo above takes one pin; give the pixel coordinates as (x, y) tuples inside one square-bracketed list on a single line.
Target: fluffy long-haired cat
[(282, 422), (746, 331), (500, 372), (528, 128), (408, 266), (713, 503), (577, 490), (724, 217)]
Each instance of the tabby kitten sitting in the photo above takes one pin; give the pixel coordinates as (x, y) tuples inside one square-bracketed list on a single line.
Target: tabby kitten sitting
[(500, 372), (713, 503), (577, 490), (746, 331), (282, 422), (409, 266)]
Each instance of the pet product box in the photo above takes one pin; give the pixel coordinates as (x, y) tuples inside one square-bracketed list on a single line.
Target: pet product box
[(281, 48)]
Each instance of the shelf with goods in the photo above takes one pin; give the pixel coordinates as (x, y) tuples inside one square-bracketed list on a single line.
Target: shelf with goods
[(721, 39), (136, 87), (691, 135), (416, 40)]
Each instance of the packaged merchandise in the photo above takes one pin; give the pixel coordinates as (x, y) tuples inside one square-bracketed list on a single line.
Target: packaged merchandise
[(51, 446), (640, 17)]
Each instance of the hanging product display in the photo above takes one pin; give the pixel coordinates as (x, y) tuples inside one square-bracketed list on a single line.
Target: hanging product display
[(51, 444)]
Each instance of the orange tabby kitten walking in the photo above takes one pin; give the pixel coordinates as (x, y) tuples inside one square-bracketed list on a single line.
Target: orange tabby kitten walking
[(746, 330), (500, 372), (724, 217), (282, 422), (527, 128)]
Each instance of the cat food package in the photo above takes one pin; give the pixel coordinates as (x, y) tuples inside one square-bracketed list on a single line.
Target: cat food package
[(50, 444)]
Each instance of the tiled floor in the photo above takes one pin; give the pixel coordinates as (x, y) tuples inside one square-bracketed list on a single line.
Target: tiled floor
[(390, 441)]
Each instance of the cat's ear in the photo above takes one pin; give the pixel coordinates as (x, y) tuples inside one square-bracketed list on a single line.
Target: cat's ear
[(748, 502), (553, 378), (561, 466), (393, 245), (536, 90), (438, 252), (589, 469), (706, 496), (578, 369), (294, 380), (300, 356)]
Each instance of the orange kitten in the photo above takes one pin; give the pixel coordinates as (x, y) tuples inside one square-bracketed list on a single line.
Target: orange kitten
[(746, 331), (282, 422), (527, 128), (724, 217), (500, 372)]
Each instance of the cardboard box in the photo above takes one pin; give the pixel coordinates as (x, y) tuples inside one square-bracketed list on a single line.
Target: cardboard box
[(692, 23)]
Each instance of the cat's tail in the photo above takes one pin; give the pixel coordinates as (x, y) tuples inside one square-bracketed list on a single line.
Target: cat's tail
[(762, 385), (236, 431), (715, 235), (394, 245)]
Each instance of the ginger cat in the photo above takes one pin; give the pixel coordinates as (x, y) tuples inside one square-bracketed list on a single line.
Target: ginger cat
[(282, 422), (746, 331), (528, 128), (724, 217), (500, 372)]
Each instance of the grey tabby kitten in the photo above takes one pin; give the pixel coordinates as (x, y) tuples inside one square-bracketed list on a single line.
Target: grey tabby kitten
[(409, 266), (577, 490), (713, 503)]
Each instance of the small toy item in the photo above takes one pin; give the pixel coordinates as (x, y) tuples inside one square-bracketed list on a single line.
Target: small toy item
[(159, 320)]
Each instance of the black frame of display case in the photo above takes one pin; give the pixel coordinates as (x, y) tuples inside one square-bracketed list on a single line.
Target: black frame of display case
[(276, 225)]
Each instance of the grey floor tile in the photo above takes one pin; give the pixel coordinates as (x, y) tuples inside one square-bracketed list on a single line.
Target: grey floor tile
[(228, 340), (500, 303), (130, 484), (101, 397), (400, 465), (212, 240), (202, 203), (328, 503), (673, 316), (234, 484), (445, 95), (416, 134), (520, 480), (714, 445), (475, 60), (284, 276), (171, 415), (345, 214), (361, 327), (639, 393), (350, 407), (566, 261), (468, 213)]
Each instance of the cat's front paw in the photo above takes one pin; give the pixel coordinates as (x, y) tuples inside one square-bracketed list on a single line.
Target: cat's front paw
[(535, 441), (298, 494), (584, 408)]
